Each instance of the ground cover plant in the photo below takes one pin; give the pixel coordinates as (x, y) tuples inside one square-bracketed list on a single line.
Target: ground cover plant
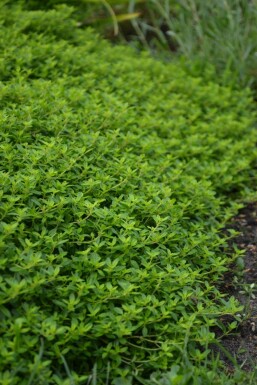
[(117, 174)]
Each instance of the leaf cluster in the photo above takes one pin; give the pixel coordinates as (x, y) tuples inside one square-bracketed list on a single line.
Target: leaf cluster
[(117, 173)]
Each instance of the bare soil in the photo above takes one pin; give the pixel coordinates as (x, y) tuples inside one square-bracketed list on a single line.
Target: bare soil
[(241, 344)]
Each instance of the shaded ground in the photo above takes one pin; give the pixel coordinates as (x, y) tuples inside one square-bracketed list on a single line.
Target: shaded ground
[(242, 343)]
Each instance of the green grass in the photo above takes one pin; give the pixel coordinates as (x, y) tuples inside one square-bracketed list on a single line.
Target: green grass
[(118, 173)]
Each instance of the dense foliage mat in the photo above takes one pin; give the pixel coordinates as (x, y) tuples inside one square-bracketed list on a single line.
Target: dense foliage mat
[(117, 173)]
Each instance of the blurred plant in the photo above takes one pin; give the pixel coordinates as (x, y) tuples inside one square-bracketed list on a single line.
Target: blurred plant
[(107, 15), (223, 33)]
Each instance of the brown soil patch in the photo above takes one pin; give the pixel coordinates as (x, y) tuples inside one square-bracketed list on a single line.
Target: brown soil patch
[(242, 343)]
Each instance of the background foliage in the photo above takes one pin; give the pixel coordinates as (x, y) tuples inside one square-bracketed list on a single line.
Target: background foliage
[(117, 176), (222, 33)]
